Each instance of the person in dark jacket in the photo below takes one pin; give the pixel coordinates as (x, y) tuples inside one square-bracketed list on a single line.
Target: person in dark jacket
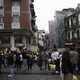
[(78, 60), (10, 59), (0, 62), (40, 61), (66, 65), (74, 59), (29, 61)]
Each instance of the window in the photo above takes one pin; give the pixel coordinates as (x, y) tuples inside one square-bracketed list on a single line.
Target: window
[(67, 23), (70, 23), (79, 19), (1, 12), (16, 19), (15, 8), (75, 34), (15, 25), (1, 4), (1, 26), (78, 33), (1, 19), (70, 35), (74, 20)]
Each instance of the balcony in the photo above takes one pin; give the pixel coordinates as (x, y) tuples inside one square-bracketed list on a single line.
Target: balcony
[(33, 13), (31, 6), (34, 28), (32, 0), (33, 22), (33, 25), (15, 32)]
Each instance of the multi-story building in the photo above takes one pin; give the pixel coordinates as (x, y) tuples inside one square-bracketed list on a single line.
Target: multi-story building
[(17, 23), (57, 27), (52, 33), (72, 29)]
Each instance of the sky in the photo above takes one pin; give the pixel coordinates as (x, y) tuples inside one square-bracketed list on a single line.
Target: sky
[(45, 10)]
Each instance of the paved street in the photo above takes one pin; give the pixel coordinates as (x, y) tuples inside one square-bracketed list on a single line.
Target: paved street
[(31, 77), (37, 77), (35, 74), (3, 76)]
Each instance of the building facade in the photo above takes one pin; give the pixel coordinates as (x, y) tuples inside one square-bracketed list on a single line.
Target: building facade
[(72, 29), (17, 23), (52, 33), (56, 27)]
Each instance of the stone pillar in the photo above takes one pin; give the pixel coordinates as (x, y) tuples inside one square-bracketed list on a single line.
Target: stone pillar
[(12, 42), (24, 42)]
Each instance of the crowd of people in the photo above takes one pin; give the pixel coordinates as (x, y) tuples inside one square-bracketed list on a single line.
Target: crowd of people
[(70, 59), (16, 58)]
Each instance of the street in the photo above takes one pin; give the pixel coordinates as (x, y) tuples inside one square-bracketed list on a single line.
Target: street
[(37, 77), (35, 74), (31, 77)]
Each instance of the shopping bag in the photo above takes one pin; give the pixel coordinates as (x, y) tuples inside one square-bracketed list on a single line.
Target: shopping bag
[(75, 77), (52, 66)]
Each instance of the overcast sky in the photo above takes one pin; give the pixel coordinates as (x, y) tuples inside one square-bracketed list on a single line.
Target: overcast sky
[(45, 10)]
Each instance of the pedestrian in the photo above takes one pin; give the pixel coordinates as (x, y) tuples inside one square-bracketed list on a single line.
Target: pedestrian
[(21, 60), (29, 60), (0, 62), (40, 61), (78, 75), (18, 60), (10, 61), (66, 65), (10, 58), (74, 59), (49, 59), (55, 59), (14, 58), (46, 60)]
